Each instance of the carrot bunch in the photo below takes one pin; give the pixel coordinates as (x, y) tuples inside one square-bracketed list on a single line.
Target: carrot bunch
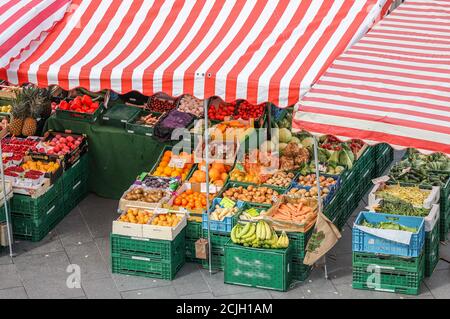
[(294, 212)]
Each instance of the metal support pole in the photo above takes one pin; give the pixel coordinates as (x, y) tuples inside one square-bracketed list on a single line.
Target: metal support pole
[(6, 208), (319, 191), (206, 137)]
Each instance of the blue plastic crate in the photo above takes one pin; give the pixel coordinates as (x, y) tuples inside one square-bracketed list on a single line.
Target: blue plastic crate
[(226, 225), (332, 189), (364, 242)]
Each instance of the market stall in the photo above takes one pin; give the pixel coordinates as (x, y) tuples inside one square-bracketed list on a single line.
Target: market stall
[(392, 87)]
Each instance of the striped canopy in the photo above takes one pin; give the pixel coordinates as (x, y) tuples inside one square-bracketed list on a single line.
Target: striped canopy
[(22, 21), (393, 86), (259, 50)]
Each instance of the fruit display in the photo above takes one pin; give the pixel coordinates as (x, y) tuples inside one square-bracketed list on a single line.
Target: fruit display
[(6, 108), (293, 155), (256, 167), (218, 174), (307, 193), (142, 194), (24, 178), (356, 146), (147, 120), (311, 181), (230, 130), (280, 179), (219, 152), (247, 111), (220, 213), (252, 214), (254, 194), (172, 165), (258, 235), (190, 104), (191, 200), (81, 104), (136, 216), (156, 182), (161, 105), (58, 145), (241, 176), (15, 149), (168, 220), (49, 167), (219, 111)]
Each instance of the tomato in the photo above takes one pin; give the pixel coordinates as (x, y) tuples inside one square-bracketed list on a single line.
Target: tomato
[(64, 105), (86, 100)]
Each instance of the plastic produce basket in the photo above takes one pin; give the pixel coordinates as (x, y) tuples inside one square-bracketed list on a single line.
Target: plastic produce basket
[(300, 271), (365, 242), (410, 264), (193, 230), (298, 242), (119, 115), (218, 260), (155, 249), (218, 240), (78, 116), (432, 243), (139, 129), (384, 155), (332, 189), (3, 212), (225, 225), (389, 280), (256, 267)]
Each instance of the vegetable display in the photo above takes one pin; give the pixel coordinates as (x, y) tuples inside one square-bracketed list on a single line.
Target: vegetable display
[(220, 213), (145, 195), (176, 119), (258, 235), (401, 200), (156, 104), (389, 225), (293, 155), (147, 120), (280, 179), (299, 212), (263, 195), (190, 104), (80, 104), (221, 111)]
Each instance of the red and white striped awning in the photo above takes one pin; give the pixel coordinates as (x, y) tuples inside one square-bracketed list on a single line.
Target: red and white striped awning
[(392, 86), (259, 50), (23, 21)]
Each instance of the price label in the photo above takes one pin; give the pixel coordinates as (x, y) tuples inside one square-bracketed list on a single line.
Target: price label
[(160, 210), (381, 179), (227, 203), (274, 198), (405, 171), (142, 176), (177, 162), (239, 167), (252, 212), (322, 168), (212, 188)]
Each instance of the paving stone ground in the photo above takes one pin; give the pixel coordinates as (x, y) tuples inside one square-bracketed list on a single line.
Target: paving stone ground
[(39, 269)]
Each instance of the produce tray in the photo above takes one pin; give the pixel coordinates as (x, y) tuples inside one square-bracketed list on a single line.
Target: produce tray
[(231, 184), (78, 116), (395, 263), (300, 271), (432, 243), (218, 260), (118, 115), (193, 230), (333, 189), (365, 242), (162, 250), (402, 282), (225, 225), (26, 229), (146, 267), (35, 208), (257, 267), (133, 128), (298, 242)]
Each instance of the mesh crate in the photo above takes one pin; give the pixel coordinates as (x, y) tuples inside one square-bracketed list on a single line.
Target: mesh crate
[(365, 242), (146, 267), (75, 173), (155, 249), (384, 155), (78, 192), (218, 240), (444, 225), (432, 241), (218, 260), (79, 116), (298, 242), (28, 207), (193, 230), (411, 264), (3, 211), (27, 229), (388, 280), (256, 267), (300, 271)]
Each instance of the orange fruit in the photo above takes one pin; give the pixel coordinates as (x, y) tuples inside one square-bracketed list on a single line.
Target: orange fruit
[(218, 166), (167, 171), (168, 153), (163, 163), (224, 176), (214, 174)]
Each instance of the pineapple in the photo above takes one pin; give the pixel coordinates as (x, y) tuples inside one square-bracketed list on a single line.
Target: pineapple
[(18, 112)]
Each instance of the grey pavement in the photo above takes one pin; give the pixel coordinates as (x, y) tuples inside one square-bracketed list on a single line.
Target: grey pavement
[(39, 270)]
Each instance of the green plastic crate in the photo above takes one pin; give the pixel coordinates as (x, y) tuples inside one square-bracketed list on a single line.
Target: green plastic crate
[(298, 242), (193, 230), (77, 193), (35, 208), (218, 240), (146, 267), (3, 211), (78, 116), (394, 263), (256, 267), (79, 170), (218, 260), (190, 252), (26, 228), (134, 128), (300, 271), (155, 249), (403, 282), (384, 155), (119, 115), (432, 242)]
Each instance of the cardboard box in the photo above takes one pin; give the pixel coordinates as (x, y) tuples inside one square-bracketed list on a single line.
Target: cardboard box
[(164, 232)]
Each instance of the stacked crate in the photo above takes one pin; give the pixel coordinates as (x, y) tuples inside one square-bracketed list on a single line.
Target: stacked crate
[(385, 265), (218, 241), (147, 257), (75, 183), (432, 242), (193, 233), (298, 242)]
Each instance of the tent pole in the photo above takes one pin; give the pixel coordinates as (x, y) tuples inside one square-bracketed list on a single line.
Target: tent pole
[(6, 208), (319, 192), (206, 137)]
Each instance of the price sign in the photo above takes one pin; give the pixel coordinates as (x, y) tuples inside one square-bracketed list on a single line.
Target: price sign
[(227, 203), (160, 210), (381, 179), (177, 162), (252, 212), (212, 188), (239, 167), (322, 168), (274, 198), (405, 171)]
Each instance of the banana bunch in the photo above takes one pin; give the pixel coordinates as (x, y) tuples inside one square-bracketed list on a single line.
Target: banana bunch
[(258, 235)]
